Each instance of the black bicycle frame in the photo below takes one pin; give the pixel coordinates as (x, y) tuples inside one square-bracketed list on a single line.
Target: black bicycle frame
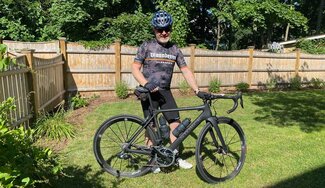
[(205, 115)]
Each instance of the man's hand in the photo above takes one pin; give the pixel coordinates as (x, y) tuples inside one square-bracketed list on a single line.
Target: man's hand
[(203, 95), (151, 86)]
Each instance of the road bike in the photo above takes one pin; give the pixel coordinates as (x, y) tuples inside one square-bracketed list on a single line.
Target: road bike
[(121, 150)]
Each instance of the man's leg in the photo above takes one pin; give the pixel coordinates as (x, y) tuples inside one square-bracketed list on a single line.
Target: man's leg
[(173, 120), (172, 126)]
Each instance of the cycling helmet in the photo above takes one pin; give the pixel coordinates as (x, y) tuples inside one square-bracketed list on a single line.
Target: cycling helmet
[(162, 19)]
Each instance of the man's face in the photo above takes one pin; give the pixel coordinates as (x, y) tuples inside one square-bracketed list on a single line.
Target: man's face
[(162, 35)]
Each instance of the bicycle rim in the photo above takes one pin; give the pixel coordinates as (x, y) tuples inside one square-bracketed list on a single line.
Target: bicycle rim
[(213, 164), (109, 140)]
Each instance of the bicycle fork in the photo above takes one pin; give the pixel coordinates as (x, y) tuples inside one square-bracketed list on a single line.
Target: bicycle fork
[(214, 122)]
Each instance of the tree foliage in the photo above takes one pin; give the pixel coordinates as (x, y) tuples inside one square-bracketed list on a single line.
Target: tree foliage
[(22, 163), (219, 24)]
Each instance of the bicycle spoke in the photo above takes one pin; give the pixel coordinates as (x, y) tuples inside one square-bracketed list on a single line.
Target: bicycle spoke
[(110, 147), (232, 138), (108, 137), (232, 161), (139, 136), (118, 127), (116, 135), (128, 132), (238, 141)]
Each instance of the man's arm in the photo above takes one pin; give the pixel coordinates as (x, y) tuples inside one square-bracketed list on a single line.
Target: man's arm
[(190, 79), (137, 74)]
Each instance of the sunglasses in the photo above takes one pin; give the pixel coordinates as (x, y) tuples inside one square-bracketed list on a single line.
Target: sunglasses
[(164, 29)]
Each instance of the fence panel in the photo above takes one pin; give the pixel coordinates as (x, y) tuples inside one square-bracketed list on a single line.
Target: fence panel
[(49, 79), (312, 67), (90, 70), (14, 83), (278, 66)]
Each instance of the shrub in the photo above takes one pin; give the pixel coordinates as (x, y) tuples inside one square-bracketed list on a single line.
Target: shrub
[(78, 102), (22, 163), (312, 46), (214, 86), (317, 83), (184, 88), (242, 86), (121, 90), (271, 83), (5, 61), (54, 126), (295, 83), (5, 108)]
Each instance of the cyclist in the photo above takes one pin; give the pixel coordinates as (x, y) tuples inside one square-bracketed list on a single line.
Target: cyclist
[(157, 58)]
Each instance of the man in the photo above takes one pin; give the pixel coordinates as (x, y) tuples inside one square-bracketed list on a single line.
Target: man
[(157, 58)]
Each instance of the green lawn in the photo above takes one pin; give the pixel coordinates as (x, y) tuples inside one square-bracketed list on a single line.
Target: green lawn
[(285, 134)]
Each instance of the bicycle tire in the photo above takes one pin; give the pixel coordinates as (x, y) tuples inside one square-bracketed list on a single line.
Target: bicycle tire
[(108, 142), (214, 166)]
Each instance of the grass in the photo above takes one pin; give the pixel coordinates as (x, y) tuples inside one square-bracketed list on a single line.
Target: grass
[(285, 134)]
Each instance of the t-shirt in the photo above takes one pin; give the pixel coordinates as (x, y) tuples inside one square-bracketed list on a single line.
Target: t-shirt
[(158, 61)]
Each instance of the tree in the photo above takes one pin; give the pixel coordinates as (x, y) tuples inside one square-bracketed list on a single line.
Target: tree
[(21, 20), (266, 18)]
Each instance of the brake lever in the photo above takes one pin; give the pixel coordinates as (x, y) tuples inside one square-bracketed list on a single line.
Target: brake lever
[(240, 97)]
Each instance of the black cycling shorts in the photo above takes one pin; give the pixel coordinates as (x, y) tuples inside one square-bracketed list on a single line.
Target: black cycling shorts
[(162, 99)]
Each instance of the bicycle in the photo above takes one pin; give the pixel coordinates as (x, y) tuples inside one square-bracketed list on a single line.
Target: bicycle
[(120, 149)]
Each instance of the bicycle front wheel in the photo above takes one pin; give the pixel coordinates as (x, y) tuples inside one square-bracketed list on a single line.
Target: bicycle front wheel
[(111, 140), (217, 164)]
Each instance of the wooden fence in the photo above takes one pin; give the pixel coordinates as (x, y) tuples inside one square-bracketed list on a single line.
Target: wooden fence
[(88, 70), (35, 83), (99, 70)]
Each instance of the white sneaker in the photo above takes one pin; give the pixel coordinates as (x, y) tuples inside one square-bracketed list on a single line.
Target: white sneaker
[(155, 169), (184, 164)]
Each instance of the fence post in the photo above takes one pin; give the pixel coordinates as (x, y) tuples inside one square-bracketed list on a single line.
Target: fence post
[(192, 57), (250, 65), (117, 61), (297, 62), (32, 81), (63, 51)]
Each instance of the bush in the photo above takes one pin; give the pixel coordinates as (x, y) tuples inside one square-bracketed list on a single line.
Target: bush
[(5, 61), (271, 84), (5, 108), (317, 83), (184, 88), (295, 83), (78, 102), (312, 46), (22, 163), (214, 86), (242, 86), (54, 126), (121, 90)]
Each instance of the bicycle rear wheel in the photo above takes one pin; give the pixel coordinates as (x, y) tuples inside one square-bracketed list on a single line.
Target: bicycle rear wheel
[(213, 163), (110, 142)]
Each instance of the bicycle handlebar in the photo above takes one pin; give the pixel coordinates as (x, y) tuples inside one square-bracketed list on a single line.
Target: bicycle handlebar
[(142, 92), (209, 96)]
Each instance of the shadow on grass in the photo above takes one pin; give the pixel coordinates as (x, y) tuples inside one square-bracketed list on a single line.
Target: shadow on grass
[(83, 177), (291, 108), (312, 179)]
